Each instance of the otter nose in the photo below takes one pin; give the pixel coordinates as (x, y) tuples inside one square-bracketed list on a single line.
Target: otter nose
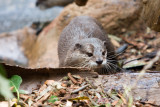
[(99, 61)]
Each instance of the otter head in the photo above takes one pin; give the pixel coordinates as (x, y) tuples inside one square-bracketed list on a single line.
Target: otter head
[(90, 53)]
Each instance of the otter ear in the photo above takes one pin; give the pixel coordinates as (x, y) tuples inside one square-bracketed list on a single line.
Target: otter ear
[(77, 46), (105, 43)]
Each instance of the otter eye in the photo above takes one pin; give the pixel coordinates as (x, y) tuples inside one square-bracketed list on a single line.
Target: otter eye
[(103, 53), (89, 54)]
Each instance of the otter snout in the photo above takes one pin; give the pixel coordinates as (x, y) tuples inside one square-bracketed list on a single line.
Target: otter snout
[(99, 61)]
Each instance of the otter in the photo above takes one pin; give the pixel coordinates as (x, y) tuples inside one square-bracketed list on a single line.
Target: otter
[(84, 43)]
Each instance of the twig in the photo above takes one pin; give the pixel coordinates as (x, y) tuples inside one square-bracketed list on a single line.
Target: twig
[(130, 42), (72, 79), (87, 80), (124, 101), (81, 88), (80, 81), (93, 102), (45, 97), (102, 91)]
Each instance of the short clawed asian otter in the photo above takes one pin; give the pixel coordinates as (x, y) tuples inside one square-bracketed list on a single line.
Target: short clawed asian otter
[(84, 43)]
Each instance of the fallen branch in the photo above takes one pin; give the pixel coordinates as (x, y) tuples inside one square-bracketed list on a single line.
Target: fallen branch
[(131, 42)]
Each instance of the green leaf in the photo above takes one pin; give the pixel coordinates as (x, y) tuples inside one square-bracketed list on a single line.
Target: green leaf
[(53, 99), (5, 88), (2, 71), (4, 84), (15, 81)]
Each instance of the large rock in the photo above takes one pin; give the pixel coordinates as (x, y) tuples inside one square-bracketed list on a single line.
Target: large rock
[(114, 15), (44, 51), (151, 14)]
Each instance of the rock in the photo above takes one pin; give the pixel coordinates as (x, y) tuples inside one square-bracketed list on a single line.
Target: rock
[(114, 15), (151, 14), (44, 51), (146, 88), (16, 14), (15, 46)]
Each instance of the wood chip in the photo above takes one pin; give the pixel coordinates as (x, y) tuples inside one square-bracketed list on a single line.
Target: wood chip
[(72, 79)]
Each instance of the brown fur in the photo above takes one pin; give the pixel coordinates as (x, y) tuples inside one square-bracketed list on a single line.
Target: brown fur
[(82, 40)]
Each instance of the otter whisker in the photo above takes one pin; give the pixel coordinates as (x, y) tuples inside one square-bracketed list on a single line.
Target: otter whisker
[(110, 64), (113, 65), (78, 65), (84, 64), (116, 52), (108, 67), (75, 65), (88, 66), (104, 71), (116, 66), (114, 56), (111, 60), (101, 71)]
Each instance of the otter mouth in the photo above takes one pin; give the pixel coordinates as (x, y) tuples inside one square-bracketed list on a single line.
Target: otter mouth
[(97, 66)]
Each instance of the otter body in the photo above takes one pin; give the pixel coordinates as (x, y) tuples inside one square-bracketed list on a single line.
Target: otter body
[(84, 43)]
